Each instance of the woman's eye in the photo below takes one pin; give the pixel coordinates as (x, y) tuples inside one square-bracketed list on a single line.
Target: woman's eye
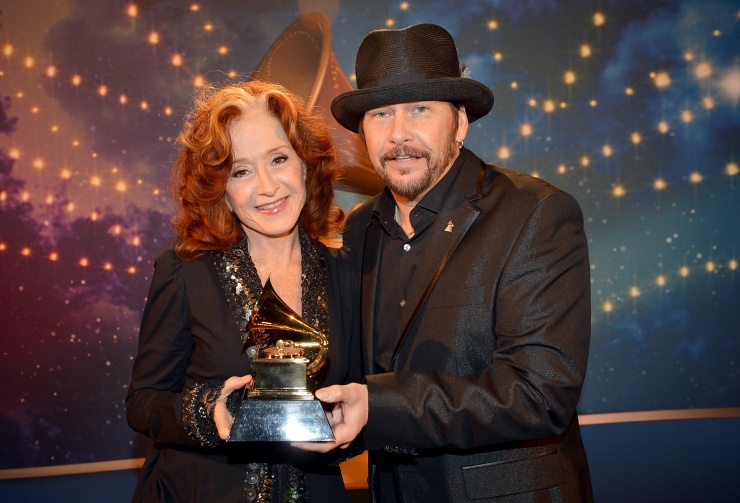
[(240, 173), (280, 159)]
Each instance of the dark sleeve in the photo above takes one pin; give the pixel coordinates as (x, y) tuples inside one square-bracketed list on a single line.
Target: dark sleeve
[(351, 307), (344, 310), (541, 332), (343, 280), (158, 385), (353, 237)]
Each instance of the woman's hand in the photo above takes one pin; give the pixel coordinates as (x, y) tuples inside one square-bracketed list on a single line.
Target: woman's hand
[(221, 415)]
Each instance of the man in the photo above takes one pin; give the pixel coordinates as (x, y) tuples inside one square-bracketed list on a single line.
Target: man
[(475, 296)]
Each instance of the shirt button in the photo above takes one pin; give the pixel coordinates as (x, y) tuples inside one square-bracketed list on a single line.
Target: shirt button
[(406, 247), (403, 303)]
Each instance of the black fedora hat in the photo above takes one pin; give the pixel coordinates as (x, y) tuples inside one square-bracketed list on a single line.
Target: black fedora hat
[(417, 63)]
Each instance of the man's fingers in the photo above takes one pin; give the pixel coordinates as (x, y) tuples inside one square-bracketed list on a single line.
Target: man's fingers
[(333, 413), (330, 394)]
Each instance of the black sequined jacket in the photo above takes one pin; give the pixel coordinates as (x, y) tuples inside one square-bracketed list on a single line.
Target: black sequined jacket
[(190, 336)]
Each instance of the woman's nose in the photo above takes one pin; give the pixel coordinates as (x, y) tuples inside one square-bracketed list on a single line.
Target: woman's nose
[(266, 182)]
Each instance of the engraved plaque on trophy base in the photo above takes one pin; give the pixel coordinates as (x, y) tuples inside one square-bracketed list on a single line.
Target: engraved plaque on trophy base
[(280, 409), (281, 421)]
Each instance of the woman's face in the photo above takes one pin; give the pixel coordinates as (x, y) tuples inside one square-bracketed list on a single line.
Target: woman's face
[(267, 186)]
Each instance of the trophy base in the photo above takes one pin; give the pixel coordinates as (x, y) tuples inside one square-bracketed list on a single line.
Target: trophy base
[(280, 421)]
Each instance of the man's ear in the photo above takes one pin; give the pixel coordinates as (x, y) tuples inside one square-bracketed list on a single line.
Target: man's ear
[(462, 124)]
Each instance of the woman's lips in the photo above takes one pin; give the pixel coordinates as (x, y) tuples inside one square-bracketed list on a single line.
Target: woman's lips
[(272, 207)]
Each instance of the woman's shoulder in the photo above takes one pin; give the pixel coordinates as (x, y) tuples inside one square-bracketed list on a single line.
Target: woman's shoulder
[(167, 257), (170, 262), (335, 257), (330, 248), (167, 261), (339, 271)]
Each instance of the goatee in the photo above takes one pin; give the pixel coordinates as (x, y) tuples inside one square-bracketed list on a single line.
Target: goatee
[(411, 189)]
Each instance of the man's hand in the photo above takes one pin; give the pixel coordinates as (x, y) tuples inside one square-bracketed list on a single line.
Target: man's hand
[(347, 415)]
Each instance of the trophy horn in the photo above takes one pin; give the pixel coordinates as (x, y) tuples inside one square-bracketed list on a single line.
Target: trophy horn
[(272, 313), (302, 60)]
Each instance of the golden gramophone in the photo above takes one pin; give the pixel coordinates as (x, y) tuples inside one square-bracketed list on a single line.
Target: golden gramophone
[(281, 408)]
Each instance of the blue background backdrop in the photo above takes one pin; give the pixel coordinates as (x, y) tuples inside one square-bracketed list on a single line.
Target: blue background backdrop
[(632, 106)]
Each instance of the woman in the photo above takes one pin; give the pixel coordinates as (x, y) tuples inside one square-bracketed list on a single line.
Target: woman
[(254, 190)]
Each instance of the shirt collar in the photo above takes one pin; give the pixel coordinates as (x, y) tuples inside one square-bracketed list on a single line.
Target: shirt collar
[(434, 199)]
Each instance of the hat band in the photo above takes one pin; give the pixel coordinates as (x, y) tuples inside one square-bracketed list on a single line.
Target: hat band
[(404, 78)]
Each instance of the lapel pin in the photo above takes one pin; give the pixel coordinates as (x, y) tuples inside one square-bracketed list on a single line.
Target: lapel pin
[(449, 227)]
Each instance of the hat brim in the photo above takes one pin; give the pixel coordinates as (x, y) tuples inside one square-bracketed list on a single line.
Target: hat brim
[(349, 108)]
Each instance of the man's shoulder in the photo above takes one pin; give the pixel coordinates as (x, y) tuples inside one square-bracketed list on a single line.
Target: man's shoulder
[(519, 179), (514, 195), (507, 182), (498, 181)]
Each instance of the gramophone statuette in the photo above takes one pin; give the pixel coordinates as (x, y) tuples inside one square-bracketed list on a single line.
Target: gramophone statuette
[(281, 408)]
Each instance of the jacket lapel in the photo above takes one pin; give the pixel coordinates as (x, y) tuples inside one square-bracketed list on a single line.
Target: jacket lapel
[(452, 223), (369, 274)]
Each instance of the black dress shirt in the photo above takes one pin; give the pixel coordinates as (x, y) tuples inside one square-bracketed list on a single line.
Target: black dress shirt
[(399, 258)]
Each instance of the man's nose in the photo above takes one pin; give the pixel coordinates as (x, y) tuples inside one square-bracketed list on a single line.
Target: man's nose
[(400, 129)]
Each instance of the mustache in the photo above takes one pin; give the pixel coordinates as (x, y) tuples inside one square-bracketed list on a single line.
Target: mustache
[(404, 151)]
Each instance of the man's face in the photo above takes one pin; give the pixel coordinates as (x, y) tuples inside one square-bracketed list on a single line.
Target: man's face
[(412, 145)]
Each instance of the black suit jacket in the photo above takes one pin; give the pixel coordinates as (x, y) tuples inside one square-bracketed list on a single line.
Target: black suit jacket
[(480, 403)]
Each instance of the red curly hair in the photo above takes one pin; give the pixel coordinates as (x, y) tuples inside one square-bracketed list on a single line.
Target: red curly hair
[(199, 176)]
